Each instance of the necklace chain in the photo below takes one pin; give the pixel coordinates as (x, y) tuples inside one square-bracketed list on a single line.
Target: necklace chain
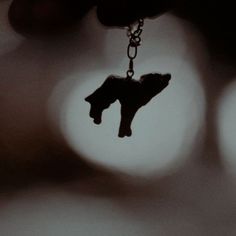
[(134, 36)]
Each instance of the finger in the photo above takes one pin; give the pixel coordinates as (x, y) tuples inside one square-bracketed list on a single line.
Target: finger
[(125, 12)]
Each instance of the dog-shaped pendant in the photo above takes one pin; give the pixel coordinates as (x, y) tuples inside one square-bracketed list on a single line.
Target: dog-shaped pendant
[(132, 95)]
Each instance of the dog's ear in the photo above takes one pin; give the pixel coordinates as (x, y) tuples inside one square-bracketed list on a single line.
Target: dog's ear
[(147, 77), (154, 83)]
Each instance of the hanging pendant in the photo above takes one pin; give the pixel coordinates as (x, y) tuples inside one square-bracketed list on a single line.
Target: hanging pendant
[(132, 94)]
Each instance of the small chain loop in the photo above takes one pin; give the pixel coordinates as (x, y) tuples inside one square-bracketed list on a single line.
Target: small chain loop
[(134, 43), (132, 51), (130, 74)]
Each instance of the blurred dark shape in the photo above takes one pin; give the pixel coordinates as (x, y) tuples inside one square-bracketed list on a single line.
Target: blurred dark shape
[(46, 17), (57, 165), (216, 20), (125, 12), (132, 95)]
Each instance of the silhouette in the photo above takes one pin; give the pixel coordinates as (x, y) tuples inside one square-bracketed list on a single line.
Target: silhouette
[(125, 12), (132, 95), (51, 17)]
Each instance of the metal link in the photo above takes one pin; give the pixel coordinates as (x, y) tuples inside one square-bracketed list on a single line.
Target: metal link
[(131, 64), (134, 43), (138, 32), (130, 74), (132, 52)]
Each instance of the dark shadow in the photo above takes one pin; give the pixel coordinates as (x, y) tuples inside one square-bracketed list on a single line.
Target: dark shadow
[(215, 19), (132, 95), (30, 151), (215, 22)]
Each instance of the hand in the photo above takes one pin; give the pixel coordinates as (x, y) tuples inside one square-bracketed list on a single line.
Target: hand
[(40, 17)]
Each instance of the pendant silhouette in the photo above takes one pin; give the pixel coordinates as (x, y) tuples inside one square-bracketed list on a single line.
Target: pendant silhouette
[(132, 95)]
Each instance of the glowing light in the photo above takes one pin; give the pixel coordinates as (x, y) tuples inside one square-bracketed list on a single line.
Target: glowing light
[(227, 128), (52, 212), (164, 130), (55, 213)]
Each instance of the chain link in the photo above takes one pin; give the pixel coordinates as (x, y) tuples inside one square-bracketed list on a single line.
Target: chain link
[(134, 36)]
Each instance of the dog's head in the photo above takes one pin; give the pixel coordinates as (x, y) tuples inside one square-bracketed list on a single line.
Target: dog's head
[(155, 82)]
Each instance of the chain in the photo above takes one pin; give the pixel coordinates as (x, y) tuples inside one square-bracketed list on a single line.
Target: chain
[(134, 42)]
